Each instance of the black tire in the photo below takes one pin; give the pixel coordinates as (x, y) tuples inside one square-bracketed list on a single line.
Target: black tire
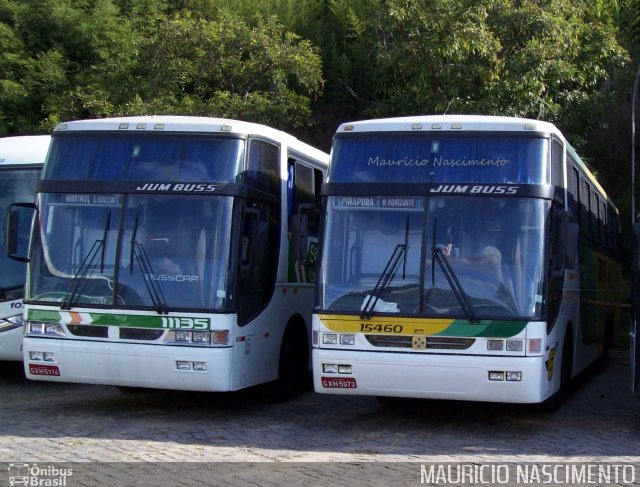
[(293, 369)]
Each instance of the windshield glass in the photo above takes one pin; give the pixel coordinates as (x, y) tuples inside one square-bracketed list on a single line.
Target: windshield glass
[(77, 233), (180, 244), (424, 158), (493, 245), (16, 186), (185, 241), (155, 157)]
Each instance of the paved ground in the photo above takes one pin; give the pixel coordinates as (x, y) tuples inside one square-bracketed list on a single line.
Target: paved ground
[(47, 423)]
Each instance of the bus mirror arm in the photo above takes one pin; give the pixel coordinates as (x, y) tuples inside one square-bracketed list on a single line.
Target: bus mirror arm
[(11, 236)]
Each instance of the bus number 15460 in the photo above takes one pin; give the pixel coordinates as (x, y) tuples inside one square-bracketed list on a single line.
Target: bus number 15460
[(369, 327)]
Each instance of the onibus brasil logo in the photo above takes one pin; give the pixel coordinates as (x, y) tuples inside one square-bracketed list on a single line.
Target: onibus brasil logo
[(37, 476)]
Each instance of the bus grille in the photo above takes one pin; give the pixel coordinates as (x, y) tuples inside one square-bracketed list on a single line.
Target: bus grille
[(90, 331), (140, 334), (433, 343)]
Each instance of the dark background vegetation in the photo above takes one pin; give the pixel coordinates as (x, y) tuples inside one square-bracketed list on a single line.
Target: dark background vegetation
[(304, 66)]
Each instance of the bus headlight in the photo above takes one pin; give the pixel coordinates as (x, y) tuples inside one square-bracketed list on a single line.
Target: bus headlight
[(48, 329)]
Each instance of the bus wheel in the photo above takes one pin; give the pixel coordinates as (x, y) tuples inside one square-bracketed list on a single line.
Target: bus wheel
[(293, 370), (553, 403)]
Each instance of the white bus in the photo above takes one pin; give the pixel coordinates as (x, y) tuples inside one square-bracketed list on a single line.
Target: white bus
[(21, 160), (462, 257), (161, 255)]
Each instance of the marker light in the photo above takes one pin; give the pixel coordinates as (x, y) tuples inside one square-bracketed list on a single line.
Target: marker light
[(535, 345), (220, 337)]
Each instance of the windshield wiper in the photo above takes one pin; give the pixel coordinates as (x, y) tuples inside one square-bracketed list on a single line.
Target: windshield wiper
[(139, 255), (437, 255), (87, 267), (387, 275)]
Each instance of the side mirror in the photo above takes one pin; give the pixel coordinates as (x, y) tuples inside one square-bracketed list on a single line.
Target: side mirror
[(18, 229), (300, 236), (559, 227), (250, 219), (300, 233)]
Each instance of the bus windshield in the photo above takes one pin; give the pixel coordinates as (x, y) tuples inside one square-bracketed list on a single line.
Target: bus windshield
[(16, 186), (154, 157), (494, 246), (414, 158), (171, 250)]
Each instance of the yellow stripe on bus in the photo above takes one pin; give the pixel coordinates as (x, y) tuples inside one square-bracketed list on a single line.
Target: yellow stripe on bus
[(388, 325)]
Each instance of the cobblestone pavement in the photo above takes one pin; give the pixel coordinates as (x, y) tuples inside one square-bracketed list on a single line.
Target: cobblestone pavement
[(49, 422)]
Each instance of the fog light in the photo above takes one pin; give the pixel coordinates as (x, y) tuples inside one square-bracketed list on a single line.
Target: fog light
[(183, 365), (200, 366), (330, 339), (344, 369), (183, 336), (37, 356), (514, 376), (347, 339), (495, 345), (49, 357), (495, 375), (330, 368), (514, 345)]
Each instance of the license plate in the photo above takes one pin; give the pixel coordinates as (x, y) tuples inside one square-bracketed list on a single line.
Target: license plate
[(339, 383), (44, 370)]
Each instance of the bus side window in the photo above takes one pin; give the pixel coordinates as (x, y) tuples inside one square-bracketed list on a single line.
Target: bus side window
[(557, 170), (584, 208), (573, 193)]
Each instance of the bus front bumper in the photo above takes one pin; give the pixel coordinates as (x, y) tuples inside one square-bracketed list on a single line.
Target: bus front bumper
[(431, 376), (128, 365)]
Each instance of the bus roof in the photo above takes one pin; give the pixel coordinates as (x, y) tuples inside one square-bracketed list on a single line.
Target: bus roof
[(444, 123), (23, 150), (177, 123), (468, 123)]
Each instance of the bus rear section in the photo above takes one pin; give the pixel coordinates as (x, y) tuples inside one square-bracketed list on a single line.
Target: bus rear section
[(163, 260), (452, 266)]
